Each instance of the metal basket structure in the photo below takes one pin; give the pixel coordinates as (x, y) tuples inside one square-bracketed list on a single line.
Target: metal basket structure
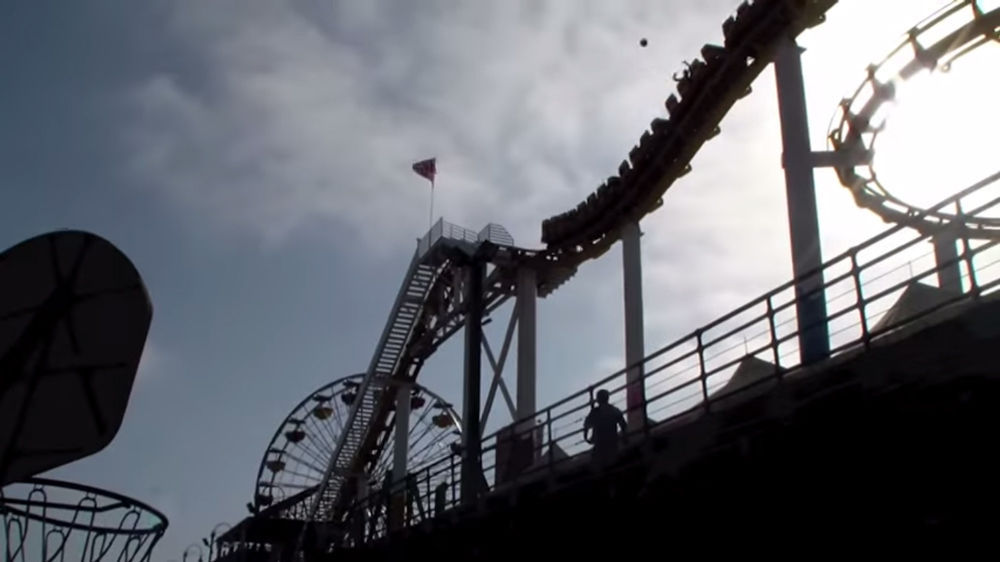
[(48, 520)]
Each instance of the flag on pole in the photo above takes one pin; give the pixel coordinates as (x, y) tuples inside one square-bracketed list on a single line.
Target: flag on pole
[(426, 168)]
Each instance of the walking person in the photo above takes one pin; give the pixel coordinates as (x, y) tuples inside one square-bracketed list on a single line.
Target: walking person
[(601, 428)]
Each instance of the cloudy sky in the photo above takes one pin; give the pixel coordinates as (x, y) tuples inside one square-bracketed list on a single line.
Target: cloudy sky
[(253, 159)]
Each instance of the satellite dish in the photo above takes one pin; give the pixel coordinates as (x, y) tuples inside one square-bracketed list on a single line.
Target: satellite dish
[(74, 315)]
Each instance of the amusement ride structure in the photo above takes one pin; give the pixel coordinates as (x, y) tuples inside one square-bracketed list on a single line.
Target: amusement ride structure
[(376, 454), (457, 276)]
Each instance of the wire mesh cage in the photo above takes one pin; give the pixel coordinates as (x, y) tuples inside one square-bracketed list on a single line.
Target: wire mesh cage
[(54, 521)]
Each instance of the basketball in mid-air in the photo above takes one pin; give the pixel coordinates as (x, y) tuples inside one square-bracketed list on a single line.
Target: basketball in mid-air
[(643, 42)]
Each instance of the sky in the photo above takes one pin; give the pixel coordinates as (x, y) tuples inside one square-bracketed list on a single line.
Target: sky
[(253, 159)]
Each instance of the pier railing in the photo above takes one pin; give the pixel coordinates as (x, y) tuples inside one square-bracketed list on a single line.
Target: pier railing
[(889, 283)]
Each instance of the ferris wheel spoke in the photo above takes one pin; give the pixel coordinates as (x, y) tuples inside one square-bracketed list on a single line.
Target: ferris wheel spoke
[(312, 422), (427, 430), (319, 450), (319, 429), (305, 463), (420, 419), (312, 450), (426, 457), (421, 450), (341, 422), (435, 442), (292, 486), (416, 455), (329, 433), (319, 438), (307, 477), (306, 446)]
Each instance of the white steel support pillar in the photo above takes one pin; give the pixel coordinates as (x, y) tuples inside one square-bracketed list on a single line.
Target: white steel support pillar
[(527, 297), (634, 340), (800, 189), (400, 454), (949, 271)]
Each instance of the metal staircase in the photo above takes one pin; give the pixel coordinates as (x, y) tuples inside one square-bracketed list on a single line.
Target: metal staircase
[(427, 264), (402, 319)]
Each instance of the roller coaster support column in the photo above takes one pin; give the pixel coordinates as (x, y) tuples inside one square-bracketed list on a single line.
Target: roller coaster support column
[(949, 271), (634, 340), (471, 433), (527, 296), (359, 521), (400, 452), (803, 222)]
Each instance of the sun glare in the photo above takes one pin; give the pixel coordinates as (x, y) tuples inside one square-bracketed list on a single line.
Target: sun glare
[(940, 135)]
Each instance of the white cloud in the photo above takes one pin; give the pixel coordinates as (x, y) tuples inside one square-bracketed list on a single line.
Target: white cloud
[(152, 363), (289, 116)]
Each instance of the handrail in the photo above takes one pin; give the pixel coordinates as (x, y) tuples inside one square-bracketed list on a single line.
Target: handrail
[(442, 229), (700, 365)]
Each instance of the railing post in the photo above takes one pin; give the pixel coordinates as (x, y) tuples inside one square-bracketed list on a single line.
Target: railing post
[(701, 370), (427, 480), (774, 333), (949, 269), (860, 299), (454, 481), (548, 430), (967, 254), (645, 407)]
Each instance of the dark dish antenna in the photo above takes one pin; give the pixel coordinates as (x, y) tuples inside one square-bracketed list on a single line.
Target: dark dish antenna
[(74, 315)]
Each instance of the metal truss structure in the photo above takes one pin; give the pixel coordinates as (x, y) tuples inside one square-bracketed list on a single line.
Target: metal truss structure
[(434, 300), (458, 275)]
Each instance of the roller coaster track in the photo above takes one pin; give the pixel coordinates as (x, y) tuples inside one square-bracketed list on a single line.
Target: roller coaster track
[(953, 32), (429, 308), (708, 88)]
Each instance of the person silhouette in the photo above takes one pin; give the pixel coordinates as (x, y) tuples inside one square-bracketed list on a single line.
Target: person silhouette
[(601, 429)]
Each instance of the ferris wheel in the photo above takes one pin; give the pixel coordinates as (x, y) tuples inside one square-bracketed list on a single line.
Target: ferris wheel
[(296, 458)]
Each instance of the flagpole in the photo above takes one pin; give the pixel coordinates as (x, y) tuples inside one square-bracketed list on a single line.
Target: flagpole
[(427, 169), (430, 221)]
